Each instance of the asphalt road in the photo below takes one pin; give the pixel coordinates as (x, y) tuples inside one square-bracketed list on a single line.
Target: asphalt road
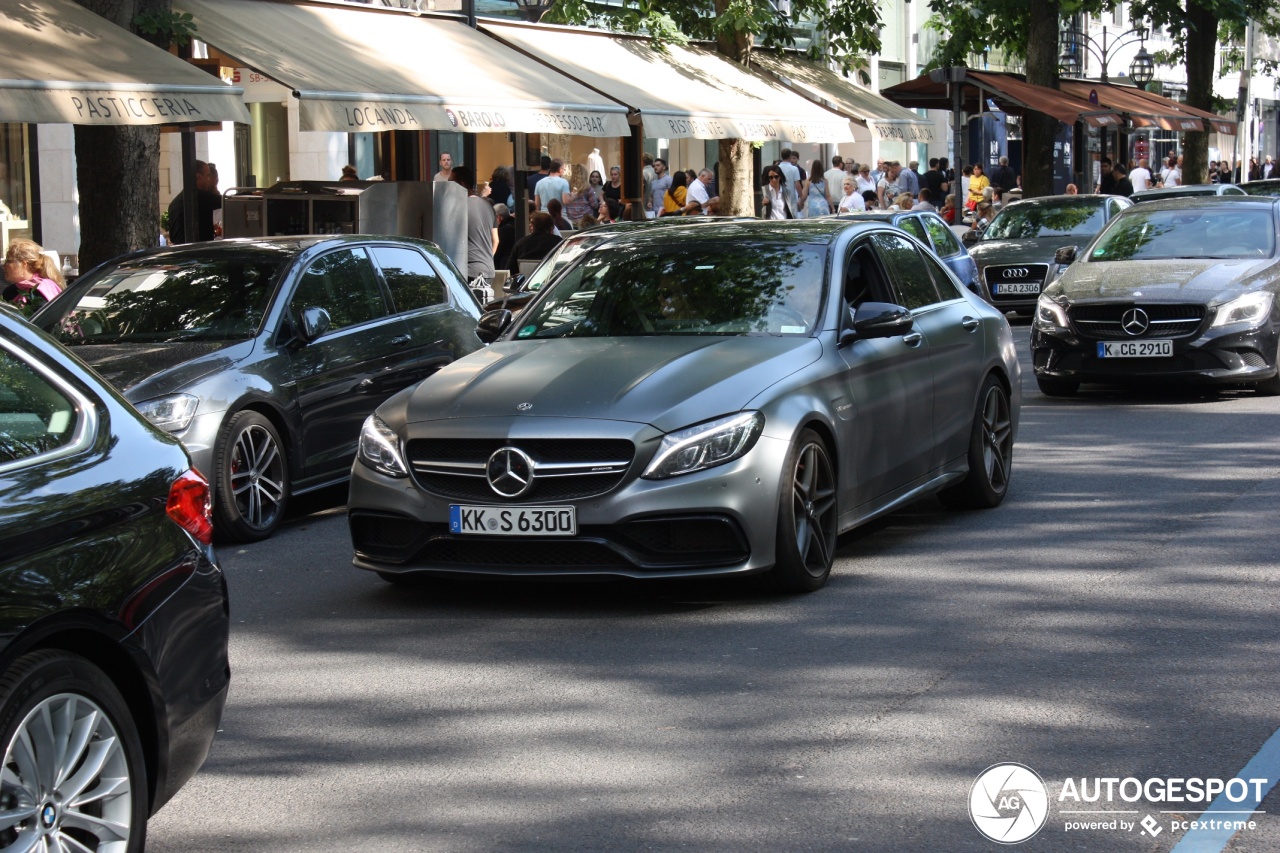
[(1116, 617)]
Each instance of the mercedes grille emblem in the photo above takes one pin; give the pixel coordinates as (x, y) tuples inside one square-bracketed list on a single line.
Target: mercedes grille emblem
[(1135, 322), (510, 472), (524, 407), (1016, 272)]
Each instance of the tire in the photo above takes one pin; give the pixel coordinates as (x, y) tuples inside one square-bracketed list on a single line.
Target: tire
[(990, 453), (1053, 387), (61, 715), (807, 518), (251, 490)]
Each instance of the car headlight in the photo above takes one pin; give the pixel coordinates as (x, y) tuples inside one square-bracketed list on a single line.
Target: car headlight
[(1050, 314), (380, 448), (705, 445), (1252, 308), (171, 414)]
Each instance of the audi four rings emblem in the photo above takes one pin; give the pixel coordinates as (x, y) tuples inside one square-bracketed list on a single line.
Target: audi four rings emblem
[(1135, 322), (1016, 272), (509, 472)]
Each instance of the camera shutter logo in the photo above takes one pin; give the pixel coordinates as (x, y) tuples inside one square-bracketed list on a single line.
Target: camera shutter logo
[(1008, 803)]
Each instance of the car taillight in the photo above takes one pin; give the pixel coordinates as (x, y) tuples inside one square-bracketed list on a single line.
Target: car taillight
[(190, 505)]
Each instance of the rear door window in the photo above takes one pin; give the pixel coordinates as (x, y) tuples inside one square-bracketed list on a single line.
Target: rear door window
[(413, 282), (39, 416), (907, 270), (944, 239), (912, 226)]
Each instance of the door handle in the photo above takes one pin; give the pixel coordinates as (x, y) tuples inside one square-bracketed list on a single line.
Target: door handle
[(912, 339), (970, 323), (401, 340)]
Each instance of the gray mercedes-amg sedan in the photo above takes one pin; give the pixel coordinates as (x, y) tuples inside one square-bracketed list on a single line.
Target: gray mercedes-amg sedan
[(691, 402)]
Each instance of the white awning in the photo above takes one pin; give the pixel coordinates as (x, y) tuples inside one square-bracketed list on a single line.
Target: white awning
[(359, 70), (845, 97), (680, 92), (62, 64)]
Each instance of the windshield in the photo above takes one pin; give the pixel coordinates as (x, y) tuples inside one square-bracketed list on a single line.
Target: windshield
[(567, 251), (1215, 232), (1074, 219), (184, 299), (728, 288)]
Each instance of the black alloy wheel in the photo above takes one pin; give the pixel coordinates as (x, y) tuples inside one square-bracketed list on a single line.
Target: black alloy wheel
[(252, 487), (74, 773), (990, 453), (807, 518)]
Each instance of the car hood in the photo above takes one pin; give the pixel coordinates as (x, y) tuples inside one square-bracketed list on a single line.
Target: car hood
[(1028, 250), (1174, 280), (143, 371), (668, 382)]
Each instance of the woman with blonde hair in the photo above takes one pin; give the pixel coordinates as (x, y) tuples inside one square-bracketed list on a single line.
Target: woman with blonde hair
[(582, 198), (32, 277)]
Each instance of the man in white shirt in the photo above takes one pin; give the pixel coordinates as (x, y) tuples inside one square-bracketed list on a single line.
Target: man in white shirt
[(552, 186), (834, 178), (446, 168), (1141, 176), (698, 192), (790, 179)]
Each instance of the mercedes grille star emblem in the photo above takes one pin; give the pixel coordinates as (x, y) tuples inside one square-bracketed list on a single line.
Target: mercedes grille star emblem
[(524, 407), (1017, 272), (1135, 322), (510, 472)]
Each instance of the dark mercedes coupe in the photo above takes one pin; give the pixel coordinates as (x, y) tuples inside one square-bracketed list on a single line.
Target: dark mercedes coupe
[(1181, 290), (721, 400)]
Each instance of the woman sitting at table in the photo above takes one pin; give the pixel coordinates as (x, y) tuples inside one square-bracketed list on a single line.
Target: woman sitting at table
[(32, 277)]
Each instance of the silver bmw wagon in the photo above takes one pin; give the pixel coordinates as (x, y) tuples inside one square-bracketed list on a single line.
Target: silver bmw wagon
[(723, 400)]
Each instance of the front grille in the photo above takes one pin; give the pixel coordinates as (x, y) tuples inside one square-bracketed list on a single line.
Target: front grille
[(1015, 274), (564, 469), (1103, 322), (655, 544)]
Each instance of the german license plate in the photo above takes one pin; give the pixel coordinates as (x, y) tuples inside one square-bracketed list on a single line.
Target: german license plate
[(1134, 349), (1016, 287), (513, 521)]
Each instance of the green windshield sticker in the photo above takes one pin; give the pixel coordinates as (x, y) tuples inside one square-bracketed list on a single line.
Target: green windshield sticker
[(527, 331)]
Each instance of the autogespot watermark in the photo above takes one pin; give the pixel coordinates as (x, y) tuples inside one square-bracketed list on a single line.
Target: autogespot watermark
[(1009, 803)]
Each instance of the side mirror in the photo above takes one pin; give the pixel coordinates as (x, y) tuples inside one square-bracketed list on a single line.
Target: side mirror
[(516, 283), (877, 320), (492, 324), (312, 323), (970, 237), (1065, 256)]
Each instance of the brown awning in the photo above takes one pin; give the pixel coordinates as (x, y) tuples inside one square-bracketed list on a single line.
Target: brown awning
[(1010, 93), (1142, 111), (1216, 122)]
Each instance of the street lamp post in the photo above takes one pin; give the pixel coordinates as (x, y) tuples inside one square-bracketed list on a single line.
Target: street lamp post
[(1075, 41)]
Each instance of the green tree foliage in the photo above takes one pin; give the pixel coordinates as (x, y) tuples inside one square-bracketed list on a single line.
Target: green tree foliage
[(849, 29)]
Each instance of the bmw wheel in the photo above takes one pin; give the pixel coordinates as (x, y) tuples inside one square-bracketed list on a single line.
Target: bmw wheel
[(73, 774), (807, 518), (252, 481), (990, 453)]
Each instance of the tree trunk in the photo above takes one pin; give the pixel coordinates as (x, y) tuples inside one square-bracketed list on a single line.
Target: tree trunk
[(735, 182), (1038, 129), (118, 169), (1202, 47)]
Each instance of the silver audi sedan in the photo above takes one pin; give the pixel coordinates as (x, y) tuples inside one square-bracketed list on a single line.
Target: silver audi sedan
[(723, 400)]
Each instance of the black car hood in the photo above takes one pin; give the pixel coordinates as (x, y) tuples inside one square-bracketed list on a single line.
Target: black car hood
[(668, 382), (170, 365), (1173, 280), (1025, 250)]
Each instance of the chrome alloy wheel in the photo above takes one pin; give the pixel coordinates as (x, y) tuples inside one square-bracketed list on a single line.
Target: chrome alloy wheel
[(997, 438), (813, 496), (65, 784), (257, 477)]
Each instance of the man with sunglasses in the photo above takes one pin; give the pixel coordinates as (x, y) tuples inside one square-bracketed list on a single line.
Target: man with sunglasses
[(775, 204)]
